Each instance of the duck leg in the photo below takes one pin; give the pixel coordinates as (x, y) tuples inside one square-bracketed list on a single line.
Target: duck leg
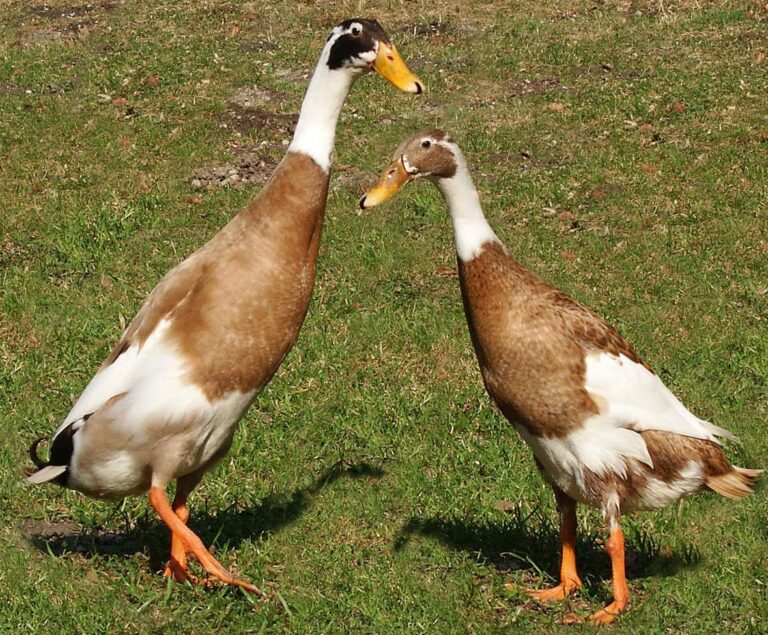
[(177, 564), (192, 544), (569, 578), (615, 549)]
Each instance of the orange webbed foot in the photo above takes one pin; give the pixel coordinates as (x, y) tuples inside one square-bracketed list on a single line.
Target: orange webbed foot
[(608, 614), (569, 578), (615, 549), (177, 564), (556, 593), (185, 542), (179, 571)]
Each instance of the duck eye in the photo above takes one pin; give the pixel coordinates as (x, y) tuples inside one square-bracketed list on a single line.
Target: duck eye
[(426, 143), (356, 30)]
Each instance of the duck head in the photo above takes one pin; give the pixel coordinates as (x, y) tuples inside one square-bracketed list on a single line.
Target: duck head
[(359, 45), (431, 154)]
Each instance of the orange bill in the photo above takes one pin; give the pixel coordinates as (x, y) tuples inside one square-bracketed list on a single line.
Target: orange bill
[(394, 177), (391, 67)]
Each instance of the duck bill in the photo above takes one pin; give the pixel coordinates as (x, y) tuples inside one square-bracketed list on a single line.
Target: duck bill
[(394, 177), (391, 67)]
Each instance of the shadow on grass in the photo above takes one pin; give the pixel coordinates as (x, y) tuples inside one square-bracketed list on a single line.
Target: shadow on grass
[(228, 527), (531, 542)]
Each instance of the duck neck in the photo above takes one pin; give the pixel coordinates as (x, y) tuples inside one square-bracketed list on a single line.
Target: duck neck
[(471, 229), (316, 128)]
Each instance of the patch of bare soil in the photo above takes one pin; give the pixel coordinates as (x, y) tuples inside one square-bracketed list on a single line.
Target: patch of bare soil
[(10, 250), (244, 120), (259, 46), (424, 28), (251, 166), (606, 189), (62, 23), (11, 89), (38, 35), (421, 63), (253, 96), (524, 158), (294, 76), (31, 528), (349, 177), (75, 11)]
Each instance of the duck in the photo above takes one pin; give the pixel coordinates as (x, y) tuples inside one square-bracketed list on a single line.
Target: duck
[(604, 429), (165, 403)]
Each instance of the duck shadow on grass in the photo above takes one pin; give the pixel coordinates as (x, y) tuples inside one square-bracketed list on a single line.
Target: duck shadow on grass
[(530, 543), (226, 528)]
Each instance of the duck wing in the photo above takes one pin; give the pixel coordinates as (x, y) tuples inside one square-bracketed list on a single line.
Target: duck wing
[(629, 393), (119, 372)]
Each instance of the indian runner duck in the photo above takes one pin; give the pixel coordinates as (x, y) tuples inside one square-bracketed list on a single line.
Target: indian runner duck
[(604, 429), (165, 403)]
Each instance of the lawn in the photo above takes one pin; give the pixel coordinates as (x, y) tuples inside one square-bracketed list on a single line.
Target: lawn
[(621, 150)]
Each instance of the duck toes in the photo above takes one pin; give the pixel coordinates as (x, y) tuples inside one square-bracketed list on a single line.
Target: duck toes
[(604, 429), (165, 403)]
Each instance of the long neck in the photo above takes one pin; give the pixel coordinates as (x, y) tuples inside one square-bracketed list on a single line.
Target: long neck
[(471, 230), (320, 111)]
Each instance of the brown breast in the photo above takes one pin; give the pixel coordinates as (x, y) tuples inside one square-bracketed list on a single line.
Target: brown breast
[(531, 341), (237, 304)]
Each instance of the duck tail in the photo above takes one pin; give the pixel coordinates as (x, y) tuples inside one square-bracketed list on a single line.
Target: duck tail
[(39, 463), (737, 483), (45, 471)]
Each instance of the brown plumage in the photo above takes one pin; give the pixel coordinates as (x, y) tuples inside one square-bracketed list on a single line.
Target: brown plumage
[(603, 428), (250, 285)]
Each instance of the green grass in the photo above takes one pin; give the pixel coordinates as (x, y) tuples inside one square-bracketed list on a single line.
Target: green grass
[(373, 486)]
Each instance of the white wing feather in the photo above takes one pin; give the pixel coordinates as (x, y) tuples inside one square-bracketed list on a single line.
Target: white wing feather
[(638, 400), (119, 377)]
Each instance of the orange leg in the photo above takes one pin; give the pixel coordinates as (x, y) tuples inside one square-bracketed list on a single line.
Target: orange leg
[(569, 578), (615, 549), (177, 565), (192, 544)]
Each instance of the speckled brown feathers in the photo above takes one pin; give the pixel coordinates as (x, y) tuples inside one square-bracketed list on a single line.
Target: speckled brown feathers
[(671, 455), (530, 341)]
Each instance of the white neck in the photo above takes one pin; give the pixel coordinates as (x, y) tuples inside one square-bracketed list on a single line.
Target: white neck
[(316, 128), (471, 230)]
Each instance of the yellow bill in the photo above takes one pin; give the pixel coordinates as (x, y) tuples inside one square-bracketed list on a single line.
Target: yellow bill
[(391, 67), (394, 177)]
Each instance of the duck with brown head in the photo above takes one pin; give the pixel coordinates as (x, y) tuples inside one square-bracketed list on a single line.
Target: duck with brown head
[(165, 403), (604, 429)]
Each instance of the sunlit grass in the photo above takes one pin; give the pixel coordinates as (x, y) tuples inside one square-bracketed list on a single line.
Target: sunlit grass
[(621, 150)]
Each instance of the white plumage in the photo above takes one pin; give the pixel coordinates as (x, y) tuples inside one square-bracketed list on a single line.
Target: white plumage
[(636, 399)]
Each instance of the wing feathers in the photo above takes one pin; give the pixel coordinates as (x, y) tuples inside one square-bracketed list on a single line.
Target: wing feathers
[(638, 400)]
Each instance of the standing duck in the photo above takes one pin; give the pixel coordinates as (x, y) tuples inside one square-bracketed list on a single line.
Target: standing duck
[(165, 403), (604, 429)]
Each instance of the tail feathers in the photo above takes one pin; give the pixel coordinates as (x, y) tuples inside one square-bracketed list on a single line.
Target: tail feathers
[(734, 484), (45, 474), (722, 433), (46, 471)]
